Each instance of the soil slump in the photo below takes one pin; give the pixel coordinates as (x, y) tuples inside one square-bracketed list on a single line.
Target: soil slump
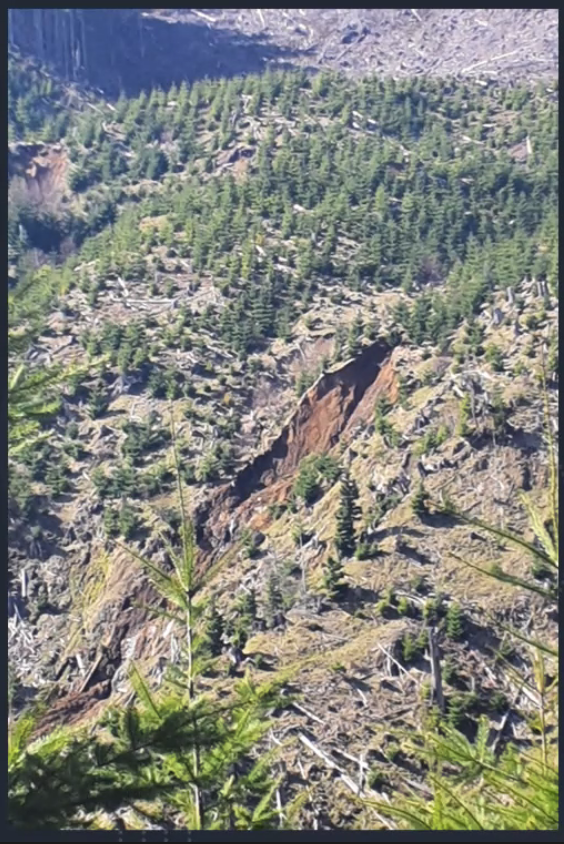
[(333, 406), (324, 412)]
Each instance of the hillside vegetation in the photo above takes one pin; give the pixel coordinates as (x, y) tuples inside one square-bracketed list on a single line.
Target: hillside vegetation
[(315, 316)]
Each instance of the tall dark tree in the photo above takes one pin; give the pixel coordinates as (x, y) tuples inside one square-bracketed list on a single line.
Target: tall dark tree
[(333, 577), (355, 334), (348, 512), (274, 601), (214, 631)]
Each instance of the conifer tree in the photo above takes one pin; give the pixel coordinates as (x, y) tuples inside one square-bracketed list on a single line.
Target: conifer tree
[(98, 401), (306, 485), (463, 428), (33, 393), (345, 539), (454, 622), (274, 600), (31, 398), (333, 577), (214, 631), (418, 501), (247, 607), (355, 333), (338, 344)]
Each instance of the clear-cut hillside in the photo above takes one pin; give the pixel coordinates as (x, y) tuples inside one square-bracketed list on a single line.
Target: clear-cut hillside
[(133, 49)]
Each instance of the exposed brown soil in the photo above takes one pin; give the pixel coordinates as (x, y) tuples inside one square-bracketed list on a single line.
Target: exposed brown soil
[(38, 174), (315, 427), (337, 402), (384, 385)]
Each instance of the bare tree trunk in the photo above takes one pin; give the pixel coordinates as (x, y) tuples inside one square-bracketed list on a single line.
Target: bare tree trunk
[(436, 668)]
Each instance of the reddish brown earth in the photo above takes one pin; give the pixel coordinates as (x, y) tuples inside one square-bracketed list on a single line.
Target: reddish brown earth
[(334, 405), (384, 385)]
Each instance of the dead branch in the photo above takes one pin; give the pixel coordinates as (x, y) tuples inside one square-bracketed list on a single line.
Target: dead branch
[(306, 712), (399, 665), (351, 758), (86, 681)]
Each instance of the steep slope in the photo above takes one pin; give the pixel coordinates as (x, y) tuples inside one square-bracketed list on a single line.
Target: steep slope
[(307, 280), (407, 546), (315, 427)]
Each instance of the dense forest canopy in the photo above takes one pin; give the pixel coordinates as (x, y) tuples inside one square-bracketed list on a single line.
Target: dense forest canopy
[(426, 179)]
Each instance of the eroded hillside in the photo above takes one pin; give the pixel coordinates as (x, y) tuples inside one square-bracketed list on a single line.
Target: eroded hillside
[(310, 286), (340, 657)]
